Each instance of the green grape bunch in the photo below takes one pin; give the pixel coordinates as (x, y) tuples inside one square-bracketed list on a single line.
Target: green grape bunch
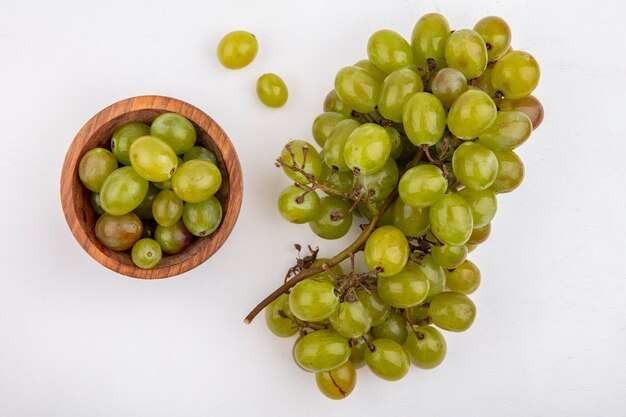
[(416, 142)]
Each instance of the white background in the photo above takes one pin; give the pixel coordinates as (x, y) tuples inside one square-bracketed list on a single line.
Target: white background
[(79, 340)]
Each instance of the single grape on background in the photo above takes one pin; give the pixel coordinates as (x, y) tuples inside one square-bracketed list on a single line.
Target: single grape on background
[(272, 90), (471, 114), (447, 85), (497, 35), (153, 158), (237, 49), (475, 165), (428, 40), (407, 288), (167, 208), (422, 185)]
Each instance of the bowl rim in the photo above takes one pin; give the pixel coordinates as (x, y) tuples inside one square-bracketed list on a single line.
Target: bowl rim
[(228, 158)]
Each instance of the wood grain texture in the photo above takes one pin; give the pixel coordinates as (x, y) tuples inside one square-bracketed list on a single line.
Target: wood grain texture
[(97, 133)]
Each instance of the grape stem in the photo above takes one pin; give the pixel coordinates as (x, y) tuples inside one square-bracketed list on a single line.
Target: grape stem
[(355, 247)]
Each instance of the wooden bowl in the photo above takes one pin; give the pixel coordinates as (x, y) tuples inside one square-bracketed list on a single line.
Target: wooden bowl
[(97, 133)]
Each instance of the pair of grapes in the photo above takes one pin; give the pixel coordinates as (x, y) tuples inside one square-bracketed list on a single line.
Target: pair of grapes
[(418, 139), (157, 201), (238, 49)]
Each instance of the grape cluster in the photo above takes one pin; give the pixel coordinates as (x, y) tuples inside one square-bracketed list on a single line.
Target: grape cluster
[(418, 139), (161, 197)]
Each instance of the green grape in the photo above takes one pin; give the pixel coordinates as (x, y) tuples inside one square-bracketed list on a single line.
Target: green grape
[(95, 166), (152, 158), (176, 130), (199, 152), (336, 270), (528, 105), (422, 185), (377, 308), (357, 88), (122, 191), (385, 220), (378, 186), (321, 350), (367, 148), (412, 221), (333, 220), (279, 318), (496, 34), (118, 232), (484, 205), (367, 65), (173, 239), (483, 82), (510, 172), (516, 75), (306, 158), (471, 114), (447, 85), (312, 300), (396, 141), (357, 350), (333, 104), (339, 181), (429, 38), (146, 253), (296, 208), (124, 136), (452, 311), (417, 313), (426, 347), (466, 52), (433, 272), (336, 142), (337, 383), (387, 248), (393, 328), (408, 288), (196, 180), (424, 119), (449, 256), (144, 209), (271, 90), (475, 165), (149, 228), (95, 204), (324, 124), (389, 51), (480, 235), (464, 279), (510, 130), (388, 361), (237, 49), (397, 88), (351, 319), (167, 184), (202, 219), (167, 208), (451, 219)]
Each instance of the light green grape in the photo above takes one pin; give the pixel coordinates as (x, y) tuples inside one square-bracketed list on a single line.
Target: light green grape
[(510, 130), (424, 119), (167, 208), (466, 52), (312, 300), (279, 318), (471, 114), (332, 220), (516, 75), (367, 148), (333, 104), (529, 105), (351, 319), (447, 85), (377, 308), (311, 164), (433, 272), (497, 35), (373, 70), (324, 124), (393, 328), (153, 158), (296, 208), (173, 239), (449, 256), (336, 143), (387, 248), (237, 49), (396, 141), (452, 311), (408, 288), (146, 253), (196, 181), (357, 88), (426, 347), (397, 88), (271, 90), (95, 166), (199, 152), (122, 191), (412, 221), (484, 205), (176, 130), (337, 383), (378, 186), (422, 185), (451, 219), (388, 361), (203, 218), (429, 38), (124, 136), (464, 279), (389, 51), (321, 350), (475, 165), (480, 235), (510, 172)]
